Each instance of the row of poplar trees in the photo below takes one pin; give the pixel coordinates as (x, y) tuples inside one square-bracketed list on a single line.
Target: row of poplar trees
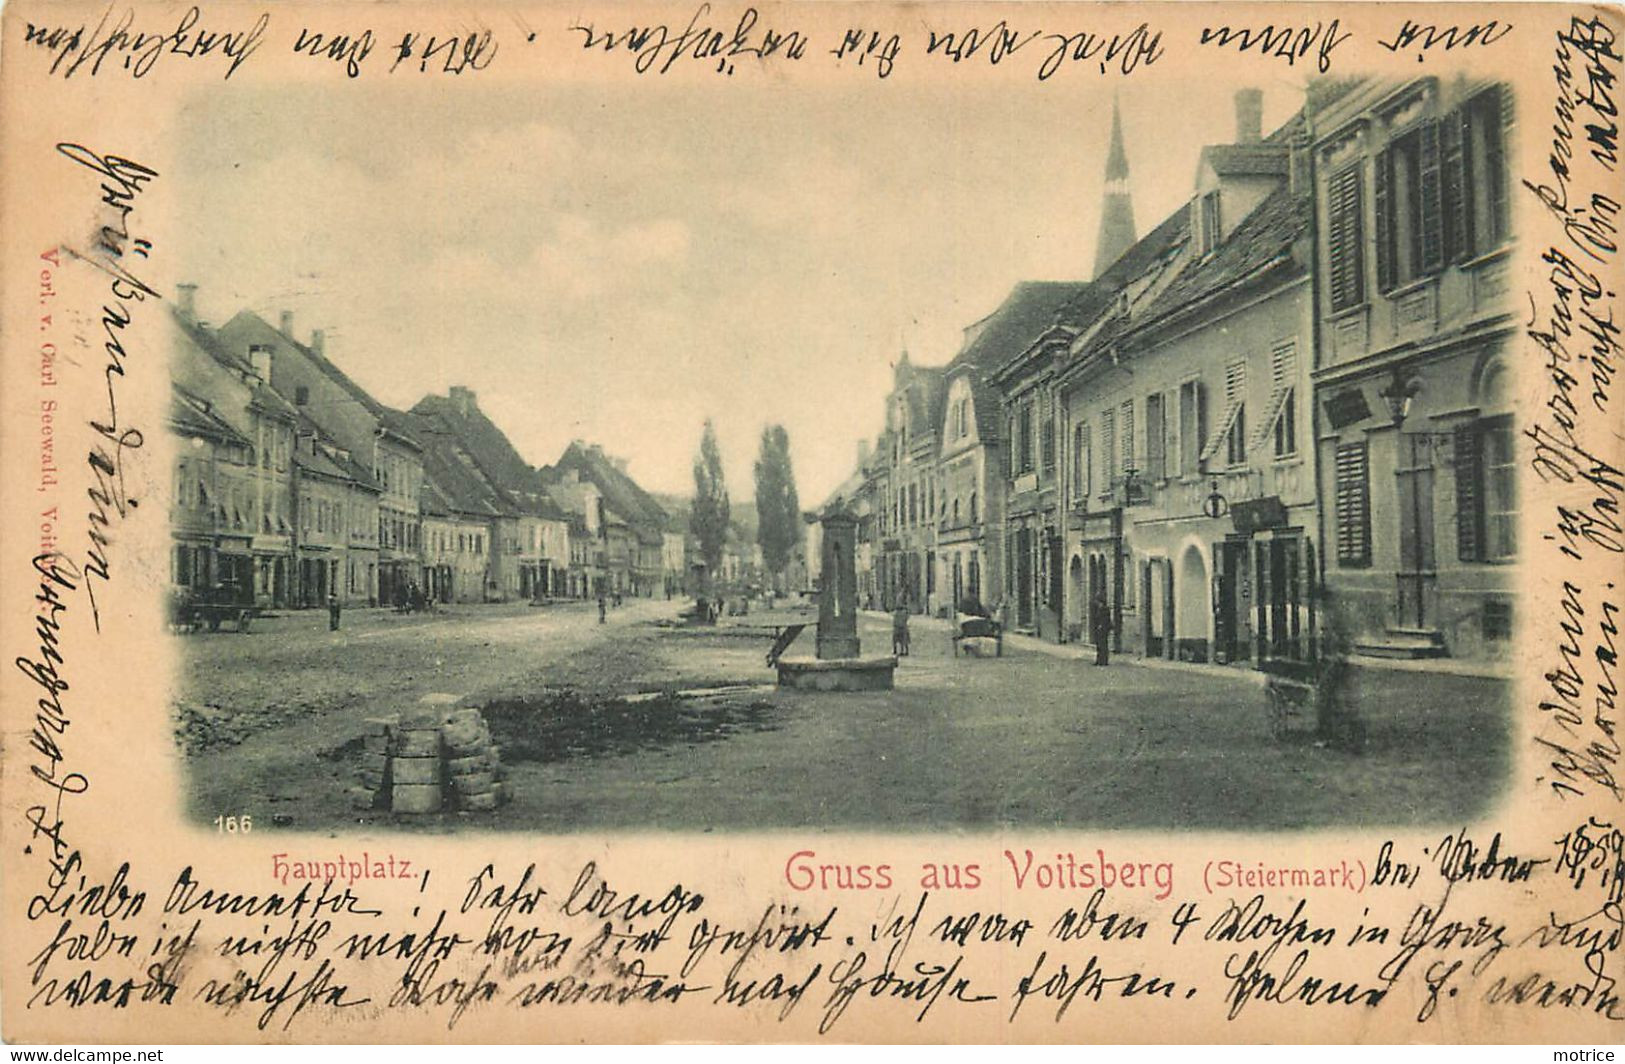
[(778, 508)]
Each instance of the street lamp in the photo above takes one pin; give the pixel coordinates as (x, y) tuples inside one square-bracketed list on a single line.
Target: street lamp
[(1401, 388)]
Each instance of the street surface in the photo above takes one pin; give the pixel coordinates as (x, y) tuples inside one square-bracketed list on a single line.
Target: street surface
[(271, 723)]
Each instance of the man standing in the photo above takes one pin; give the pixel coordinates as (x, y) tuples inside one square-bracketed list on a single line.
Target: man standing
[(1100, 627)]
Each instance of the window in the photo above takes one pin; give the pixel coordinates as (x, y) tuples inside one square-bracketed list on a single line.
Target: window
[(301, 395), (1235, 445), (1048, 435), (1486, 491), (1081, 459), (1125, 432), (1353, 501), (1345, 236), (1024, 438), (1279, 428), (1156, 460), (1210, 231), (1409, 207), (1108, 446), (973, 507), (1192, 425), (1474, 150), (1231, 431)]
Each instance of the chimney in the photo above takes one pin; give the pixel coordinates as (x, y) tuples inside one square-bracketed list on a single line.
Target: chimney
[(462, 399), (186, 300), (287, 323), (318, 341), (1249, 116), (259, 356), (1298, 163)]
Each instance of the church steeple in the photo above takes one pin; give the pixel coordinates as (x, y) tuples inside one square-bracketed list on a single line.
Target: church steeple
[(1117, 233)]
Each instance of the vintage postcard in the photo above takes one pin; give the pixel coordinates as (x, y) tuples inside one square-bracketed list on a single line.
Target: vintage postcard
[(761, 522)]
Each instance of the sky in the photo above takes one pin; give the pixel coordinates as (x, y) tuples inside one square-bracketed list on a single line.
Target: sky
[(617, 267)]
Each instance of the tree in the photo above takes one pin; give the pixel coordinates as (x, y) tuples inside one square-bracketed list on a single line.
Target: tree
[(708, 520), (778, 510)]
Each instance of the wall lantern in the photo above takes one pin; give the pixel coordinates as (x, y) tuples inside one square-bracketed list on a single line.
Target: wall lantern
[(1216, 505), (1401, 388)]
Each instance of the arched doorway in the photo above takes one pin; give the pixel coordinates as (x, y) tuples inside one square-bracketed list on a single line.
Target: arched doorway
[(1192, 605)]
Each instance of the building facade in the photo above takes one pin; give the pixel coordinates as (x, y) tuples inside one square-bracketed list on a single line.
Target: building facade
[(1414, 428)]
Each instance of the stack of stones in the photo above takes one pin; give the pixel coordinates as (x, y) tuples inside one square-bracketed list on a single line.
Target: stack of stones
[(472, 765), (432, 757)]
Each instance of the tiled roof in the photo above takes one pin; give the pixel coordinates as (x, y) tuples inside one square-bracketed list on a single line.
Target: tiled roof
[(1026, 314), (389, 418), (1246, 160), (466, 488), (261, 395), (621, 493), (319, 464), (492, 452), (190, 415), (1265, 237)]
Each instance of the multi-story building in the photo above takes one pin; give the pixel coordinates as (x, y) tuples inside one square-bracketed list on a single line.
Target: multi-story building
[(252, 502), (1413, 419), (345, 413), (1188, 469), (972, 459), (212, 458), (906, 567), (633, 524), (530, 532)]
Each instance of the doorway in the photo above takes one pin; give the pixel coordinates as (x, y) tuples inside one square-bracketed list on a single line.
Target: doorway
[(1414, 607)]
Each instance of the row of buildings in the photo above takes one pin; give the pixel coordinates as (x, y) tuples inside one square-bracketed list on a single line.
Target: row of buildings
[(1285, 407), (293, 484)]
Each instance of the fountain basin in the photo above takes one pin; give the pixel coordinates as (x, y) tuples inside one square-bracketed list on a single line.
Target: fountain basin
[(837, 674)]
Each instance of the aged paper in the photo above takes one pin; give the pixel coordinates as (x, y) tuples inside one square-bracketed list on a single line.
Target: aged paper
[(1195, 617)]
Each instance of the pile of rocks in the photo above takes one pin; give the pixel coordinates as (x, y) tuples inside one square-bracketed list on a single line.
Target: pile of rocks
[(433, 757)]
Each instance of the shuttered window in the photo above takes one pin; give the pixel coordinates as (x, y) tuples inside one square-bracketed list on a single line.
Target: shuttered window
[(1353, 505), (1411, 204), (1108, 446), (1280, 416), (1486, 491), (1345, 237), (1469, 494), (1156, 438), (1080, 461), (1226, 431), (1125, 429)]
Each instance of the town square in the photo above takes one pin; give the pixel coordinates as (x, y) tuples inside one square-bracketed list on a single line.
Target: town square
[(1220, 534)]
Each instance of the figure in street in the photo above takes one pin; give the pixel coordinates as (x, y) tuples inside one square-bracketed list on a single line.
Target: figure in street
[(899, 631), (602, 606), (1100, 627), (333, 611)]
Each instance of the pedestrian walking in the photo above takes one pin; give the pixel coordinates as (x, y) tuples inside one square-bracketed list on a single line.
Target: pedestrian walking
[(602, 606), (333, 611), (1100, 627)]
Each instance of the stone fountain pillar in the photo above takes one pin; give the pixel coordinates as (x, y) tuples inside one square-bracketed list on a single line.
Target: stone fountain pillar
[(838, 598), (838, 665)]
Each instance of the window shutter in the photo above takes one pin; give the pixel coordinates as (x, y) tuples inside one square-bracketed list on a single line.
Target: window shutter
[(1127, 432), (1494, 177), (1353, 505), (1469, 494), (1108, 443), (1344, 236), (1385, 222), (1453, 136), (1432, 236)]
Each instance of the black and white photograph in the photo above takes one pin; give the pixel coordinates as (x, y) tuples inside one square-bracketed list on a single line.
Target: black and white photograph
[(1130, 456)]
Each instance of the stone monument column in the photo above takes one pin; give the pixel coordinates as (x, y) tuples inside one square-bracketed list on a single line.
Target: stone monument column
[(838, 598)]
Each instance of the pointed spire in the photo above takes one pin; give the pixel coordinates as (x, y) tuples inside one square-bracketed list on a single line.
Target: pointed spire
[(1117, 158), (1117, 232)]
